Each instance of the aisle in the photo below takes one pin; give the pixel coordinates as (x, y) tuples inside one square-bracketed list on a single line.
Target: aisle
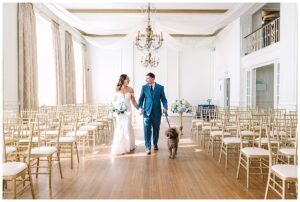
[(192, 175)]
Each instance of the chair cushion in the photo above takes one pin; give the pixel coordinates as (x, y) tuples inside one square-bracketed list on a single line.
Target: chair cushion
[(254, 151), (43, 150), (13, 168), (88, 127), (285, 171), (51, 132), (26, 140), (69, 139), (264, 140), (96, 124), (10, 150), (218, 133), (23, 132), (197, 121), (247, 133), (280, 133), (287, 151), (78, 133), (231, 127), (232, 140)]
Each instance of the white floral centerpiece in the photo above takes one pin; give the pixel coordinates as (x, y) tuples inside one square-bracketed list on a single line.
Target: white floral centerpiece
[(119, 106), (181, 106)]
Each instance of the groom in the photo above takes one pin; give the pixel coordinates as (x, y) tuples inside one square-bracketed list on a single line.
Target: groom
[(149, 105)]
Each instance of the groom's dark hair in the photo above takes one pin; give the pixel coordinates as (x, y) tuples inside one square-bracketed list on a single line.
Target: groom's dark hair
[(151, 75)]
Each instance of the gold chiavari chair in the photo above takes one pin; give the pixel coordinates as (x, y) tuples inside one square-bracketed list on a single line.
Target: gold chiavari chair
[(17, 171), (47, 153), (217, 133), (281, 175), (81, 136), (250, 156), (230, 144), (67, 145), (287, 143)]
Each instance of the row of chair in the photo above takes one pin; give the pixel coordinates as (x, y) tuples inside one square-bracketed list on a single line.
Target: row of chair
[(49, 134), (259, 139)]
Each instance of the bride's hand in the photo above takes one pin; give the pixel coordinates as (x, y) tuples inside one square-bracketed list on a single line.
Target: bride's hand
[(141, 111)]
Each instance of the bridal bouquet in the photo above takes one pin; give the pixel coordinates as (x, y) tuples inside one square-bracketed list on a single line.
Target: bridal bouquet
[(118, 106), (180, 106)]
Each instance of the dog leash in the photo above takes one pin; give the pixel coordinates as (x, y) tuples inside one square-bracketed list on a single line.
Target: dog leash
[(166, 114)]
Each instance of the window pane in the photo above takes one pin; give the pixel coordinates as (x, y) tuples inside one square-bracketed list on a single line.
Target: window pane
[(78, 71), (46, 66)]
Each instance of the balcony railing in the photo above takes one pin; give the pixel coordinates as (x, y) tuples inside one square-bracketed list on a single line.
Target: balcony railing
[(263, 37)]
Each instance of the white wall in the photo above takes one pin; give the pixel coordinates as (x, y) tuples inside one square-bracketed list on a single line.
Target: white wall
[(10, 57), (184, 73), (227, 63)]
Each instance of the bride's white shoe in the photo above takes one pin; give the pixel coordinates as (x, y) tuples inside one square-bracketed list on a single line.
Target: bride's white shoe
[(133, 148)]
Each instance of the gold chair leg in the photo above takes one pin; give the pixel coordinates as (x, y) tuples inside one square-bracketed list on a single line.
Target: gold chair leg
[(37, 168), (72, 155), (248, 171), (226, 156), (30, 181), (14, 181), (77, 152), (283, 189), (268, 184), (238, 170), (59, 164), (50, 170), (221, 149), (23, 180)]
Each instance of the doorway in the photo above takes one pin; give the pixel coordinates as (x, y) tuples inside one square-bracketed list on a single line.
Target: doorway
[(227, 93), (265, 87)]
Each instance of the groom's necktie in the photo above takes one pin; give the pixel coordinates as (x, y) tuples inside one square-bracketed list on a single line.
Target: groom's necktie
[(151, 88)]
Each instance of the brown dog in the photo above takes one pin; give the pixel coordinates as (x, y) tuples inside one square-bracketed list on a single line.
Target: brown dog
[(173, 140)]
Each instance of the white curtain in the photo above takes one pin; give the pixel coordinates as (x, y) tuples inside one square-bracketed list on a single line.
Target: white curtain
[(70, 71), (28, 69), (58, 63)]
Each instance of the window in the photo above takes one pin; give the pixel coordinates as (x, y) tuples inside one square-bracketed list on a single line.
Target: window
[(78, 71), (46, 65)]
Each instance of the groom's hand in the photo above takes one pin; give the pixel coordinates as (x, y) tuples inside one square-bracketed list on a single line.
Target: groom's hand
[(141, 111)]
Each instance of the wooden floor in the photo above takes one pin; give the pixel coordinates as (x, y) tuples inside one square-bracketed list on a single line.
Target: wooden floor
[(194, 174)]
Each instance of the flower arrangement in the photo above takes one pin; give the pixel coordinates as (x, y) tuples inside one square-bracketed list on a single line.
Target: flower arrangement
[(118, 106), (180, 106)]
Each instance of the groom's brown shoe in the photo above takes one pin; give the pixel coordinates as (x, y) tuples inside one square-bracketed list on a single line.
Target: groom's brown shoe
[(156, 148), (148, 152)]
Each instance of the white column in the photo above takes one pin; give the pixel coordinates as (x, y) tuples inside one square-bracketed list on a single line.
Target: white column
[(288, 59), (10, 56)]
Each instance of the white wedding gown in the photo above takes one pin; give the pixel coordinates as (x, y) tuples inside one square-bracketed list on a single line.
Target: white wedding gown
[(124, 139)]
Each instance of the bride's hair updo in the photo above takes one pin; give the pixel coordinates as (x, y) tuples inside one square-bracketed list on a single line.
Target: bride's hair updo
[(121, 81)]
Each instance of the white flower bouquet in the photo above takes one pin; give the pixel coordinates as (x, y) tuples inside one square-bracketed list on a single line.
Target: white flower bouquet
[(118, 106), (180, 106)]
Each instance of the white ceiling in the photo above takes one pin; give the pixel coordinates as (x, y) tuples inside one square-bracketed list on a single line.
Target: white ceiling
[(177, 23)]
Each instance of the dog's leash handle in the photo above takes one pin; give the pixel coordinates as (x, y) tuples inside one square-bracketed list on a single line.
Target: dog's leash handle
[(166, 114)]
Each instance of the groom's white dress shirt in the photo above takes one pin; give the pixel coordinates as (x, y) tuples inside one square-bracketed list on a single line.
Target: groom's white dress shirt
[(153, 85)]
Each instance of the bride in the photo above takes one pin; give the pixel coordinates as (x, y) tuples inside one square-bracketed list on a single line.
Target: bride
[(124, 139)]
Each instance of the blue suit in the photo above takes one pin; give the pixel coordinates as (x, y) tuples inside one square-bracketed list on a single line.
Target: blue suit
[(151, 103)]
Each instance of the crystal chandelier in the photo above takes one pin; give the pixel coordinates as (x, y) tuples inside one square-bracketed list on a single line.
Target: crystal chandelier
[(148, 40), (150, 60)]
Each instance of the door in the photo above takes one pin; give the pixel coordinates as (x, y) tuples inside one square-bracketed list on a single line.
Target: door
[(227, 93)]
